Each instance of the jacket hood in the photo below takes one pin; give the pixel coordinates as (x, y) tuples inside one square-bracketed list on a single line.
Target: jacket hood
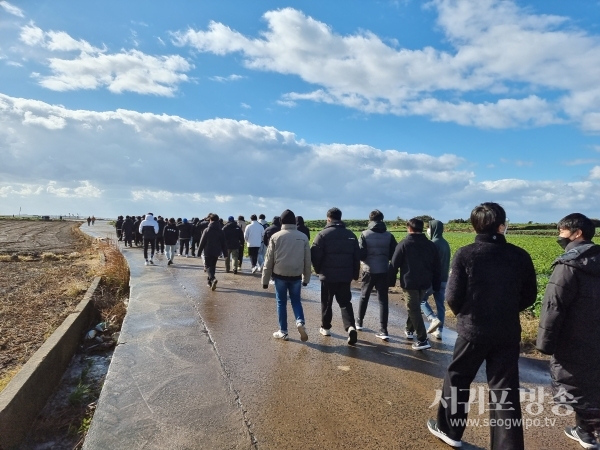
[(276, 221), (377, 227), (585, 256), (336, 223), (437, 229), (149, 217), (289, 226), (299, 220), (214, 225)]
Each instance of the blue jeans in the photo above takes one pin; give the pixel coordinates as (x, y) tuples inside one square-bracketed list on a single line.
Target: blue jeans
[(440, 298), (282, 288)]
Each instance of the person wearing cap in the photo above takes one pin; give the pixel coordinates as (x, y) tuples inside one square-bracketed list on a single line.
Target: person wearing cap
[(234, 239), (288, 261), (185, 233), (212, 243)]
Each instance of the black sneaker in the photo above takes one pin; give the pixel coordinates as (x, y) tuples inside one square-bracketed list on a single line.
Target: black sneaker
[(352, 336), (382, 335), (235, 271), (169, 263), (586, 440), (433, 429), (421, 345), (214, 284)]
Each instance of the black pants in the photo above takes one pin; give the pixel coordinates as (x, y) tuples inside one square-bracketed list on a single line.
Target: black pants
[(152, 243), (138, 238), (341, 292), (211, 266), (502, 370), (241, 256), (183, 242), (195, 243), (160, 244), (127, 237), (380, 282), (253, 251)]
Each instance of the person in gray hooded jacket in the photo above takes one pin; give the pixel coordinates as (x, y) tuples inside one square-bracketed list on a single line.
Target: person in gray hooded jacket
[(377, 246), (436, 321)]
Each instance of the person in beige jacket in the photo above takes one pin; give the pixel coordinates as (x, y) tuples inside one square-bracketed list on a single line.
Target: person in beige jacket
[(288, 261)]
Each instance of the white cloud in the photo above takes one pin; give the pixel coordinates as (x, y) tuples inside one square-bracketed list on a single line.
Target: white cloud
[(508, 54), (129, 165), (93, 68), (12, 9), (245, 105), (232, 77), (14, 64), (578, 162)]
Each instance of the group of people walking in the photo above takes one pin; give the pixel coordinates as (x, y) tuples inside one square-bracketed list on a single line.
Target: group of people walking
[(487, 284)]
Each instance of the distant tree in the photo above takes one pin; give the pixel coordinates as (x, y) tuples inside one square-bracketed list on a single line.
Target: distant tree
[(425, 218), (458, 221)]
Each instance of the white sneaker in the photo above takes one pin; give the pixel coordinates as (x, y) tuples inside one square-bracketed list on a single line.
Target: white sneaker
[(254, 269), (409, 334), (324, 332), (434, 325), (271, 282), (280, 335), (146, 263), (437, 334), (302, 331)]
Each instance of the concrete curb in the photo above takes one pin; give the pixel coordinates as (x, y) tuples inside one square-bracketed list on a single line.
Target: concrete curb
[(27, 393)]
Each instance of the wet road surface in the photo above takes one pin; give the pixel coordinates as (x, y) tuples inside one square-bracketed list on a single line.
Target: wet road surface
[(200, 369)]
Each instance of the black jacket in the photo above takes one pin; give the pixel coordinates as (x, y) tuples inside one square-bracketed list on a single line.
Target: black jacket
[(161, 227), (377, 246), (234, 236), (212, 242), (119, 224), (185, 230), (136, 226), (171, 234), (270, 231), (570, 324), (303, 228), (335, 254), (197, 229), (490, 283), (419, 263), (128, 228)]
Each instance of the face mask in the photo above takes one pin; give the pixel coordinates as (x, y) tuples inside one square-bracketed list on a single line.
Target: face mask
[(563, 242), (429, 232)]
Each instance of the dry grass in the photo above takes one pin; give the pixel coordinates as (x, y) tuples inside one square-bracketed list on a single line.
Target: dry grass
[(8, 376), (114, 289)]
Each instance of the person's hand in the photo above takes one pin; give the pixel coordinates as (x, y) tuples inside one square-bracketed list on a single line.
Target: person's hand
[(265, 286), (304, 284)]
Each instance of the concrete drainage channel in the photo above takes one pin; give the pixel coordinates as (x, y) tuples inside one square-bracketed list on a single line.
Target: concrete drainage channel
[(27, 393)]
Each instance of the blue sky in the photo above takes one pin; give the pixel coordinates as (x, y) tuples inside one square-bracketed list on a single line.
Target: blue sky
[(246, 107)]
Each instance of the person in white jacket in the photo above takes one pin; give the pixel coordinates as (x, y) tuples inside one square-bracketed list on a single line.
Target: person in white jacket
[(253, 235), (149, 231)]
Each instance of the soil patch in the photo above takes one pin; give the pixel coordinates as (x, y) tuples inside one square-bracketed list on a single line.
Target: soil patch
[(40, 289)]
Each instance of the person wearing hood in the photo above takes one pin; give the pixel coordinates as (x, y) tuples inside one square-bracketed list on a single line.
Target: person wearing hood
[(185, 233), (271, 230), (571, 309), (262, 221), (288, 261), (212, 243), (335, 256), (253, 235), (435, 231), (491, 282), (377, 246), (234, 238), (127, 230), (170, 235), (301, 227), (149, 230)]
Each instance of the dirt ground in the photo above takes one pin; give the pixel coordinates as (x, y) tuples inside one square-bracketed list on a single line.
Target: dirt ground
[(47, 269), (30, 237)]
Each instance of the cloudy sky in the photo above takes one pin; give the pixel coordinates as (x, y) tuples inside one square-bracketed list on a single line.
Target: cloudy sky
[(241, 107)]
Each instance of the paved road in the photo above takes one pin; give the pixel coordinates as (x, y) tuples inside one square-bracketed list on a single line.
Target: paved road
[(200, 369)]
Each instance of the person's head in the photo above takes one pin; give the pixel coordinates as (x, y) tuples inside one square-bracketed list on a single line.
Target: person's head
[(376, 216), (414, 225), (334, 214), (299, 220), (149, 214), (241, 218), (172, 221), (488, 218), (262, 217), (230, 219), (214, 217), (253, 217), (575, 227), (127, 217), (288, 217)]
